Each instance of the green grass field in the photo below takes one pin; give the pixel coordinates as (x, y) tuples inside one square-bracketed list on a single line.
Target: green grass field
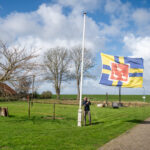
[(103, 97), (17, 132), (111, 98)]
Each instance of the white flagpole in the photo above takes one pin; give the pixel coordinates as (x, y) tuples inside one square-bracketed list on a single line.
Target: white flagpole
[(80, 103)]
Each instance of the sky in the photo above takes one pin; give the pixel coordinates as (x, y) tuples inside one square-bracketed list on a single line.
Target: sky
[(115, 27)]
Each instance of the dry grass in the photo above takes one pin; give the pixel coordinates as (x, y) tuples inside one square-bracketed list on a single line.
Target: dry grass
[(76, 102)]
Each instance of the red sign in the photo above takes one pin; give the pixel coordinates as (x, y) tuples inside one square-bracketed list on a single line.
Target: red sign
[(119, 72)]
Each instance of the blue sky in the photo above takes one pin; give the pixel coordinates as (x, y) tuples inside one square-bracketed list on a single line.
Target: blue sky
[(117, 27)]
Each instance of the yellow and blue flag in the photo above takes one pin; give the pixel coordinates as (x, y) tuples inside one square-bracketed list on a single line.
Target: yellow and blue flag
[(122, 71)]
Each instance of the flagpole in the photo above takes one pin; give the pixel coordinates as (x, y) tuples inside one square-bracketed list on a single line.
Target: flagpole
[(119, 95), (81, 82)]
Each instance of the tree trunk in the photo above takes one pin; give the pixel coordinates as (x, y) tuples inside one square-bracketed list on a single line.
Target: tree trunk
[(4, 111), (58, 93)]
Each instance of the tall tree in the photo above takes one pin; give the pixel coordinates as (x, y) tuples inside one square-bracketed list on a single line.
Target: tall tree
[(76, 57), (15, 62), (56, 62)]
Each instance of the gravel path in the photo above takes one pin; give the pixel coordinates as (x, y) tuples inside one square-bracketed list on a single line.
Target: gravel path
[(138, 138)]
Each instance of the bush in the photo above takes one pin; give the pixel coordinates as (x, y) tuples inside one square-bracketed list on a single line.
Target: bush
[(46, 94), (36, 95)]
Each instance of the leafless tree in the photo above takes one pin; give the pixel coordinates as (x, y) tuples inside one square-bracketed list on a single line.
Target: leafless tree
[(76, 56), (56, 62), (15, 62), (24, 86)]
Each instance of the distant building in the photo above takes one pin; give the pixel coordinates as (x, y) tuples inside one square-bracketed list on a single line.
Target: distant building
[(5, 90)]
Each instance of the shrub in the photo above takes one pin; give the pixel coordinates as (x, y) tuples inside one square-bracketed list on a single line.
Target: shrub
[(36, 95), (46, 94)]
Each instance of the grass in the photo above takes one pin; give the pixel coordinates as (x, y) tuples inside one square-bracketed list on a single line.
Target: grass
[(18, 132), (103, 97), (111, 98)]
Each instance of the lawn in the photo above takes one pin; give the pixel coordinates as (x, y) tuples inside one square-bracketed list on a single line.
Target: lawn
[(103, 97), (18, 132), (125, 98)]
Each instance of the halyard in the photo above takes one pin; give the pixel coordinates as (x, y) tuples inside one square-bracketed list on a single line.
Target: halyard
[(40, 132)]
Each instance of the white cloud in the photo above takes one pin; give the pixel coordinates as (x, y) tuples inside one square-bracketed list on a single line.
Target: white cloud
[(81, 6), (140, 47), (90, 86), (141, 16), (113, 30), (112, 6), (141, 19), (49, 27), (119, 17), (117, 8)]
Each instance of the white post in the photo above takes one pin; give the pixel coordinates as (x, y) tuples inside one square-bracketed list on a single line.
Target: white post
[(80, 103)]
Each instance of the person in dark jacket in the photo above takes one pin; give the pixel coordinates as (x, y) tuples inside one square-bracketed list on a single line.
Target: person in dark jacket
[(86, 105)]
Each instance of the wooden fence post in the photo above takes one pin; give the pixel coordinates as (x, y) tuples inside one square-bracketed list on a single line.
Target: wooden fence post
[(28, 98)]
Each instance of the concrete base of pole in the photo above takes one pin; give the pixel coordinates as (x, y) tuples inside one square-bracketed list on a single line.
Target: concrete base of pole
[(79, 117)]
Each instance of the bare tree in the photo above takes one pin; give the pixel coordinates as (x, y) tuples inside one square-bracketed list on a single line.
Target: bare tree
[(56, 62), (24, 86), (15, 63), (76, 56)]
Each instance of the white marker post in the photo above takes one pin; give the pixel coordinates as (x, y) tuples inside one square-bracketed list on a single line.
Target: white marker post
[(80, 103)]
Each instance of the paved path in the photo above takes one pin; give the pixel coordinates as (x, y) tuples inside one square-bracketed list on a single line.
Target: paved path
[(138, 138)]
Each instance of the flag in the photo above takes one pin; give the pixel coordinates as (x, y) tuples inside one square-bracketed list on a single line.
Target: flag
[(122, 71)]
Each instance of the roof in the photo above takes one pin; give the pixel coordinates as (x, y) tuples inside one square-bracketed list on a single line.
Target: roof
[(7, 90)]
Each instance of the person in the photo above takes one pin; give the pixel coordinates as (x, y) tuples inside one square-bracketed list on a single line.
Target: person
[(86, 105)]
